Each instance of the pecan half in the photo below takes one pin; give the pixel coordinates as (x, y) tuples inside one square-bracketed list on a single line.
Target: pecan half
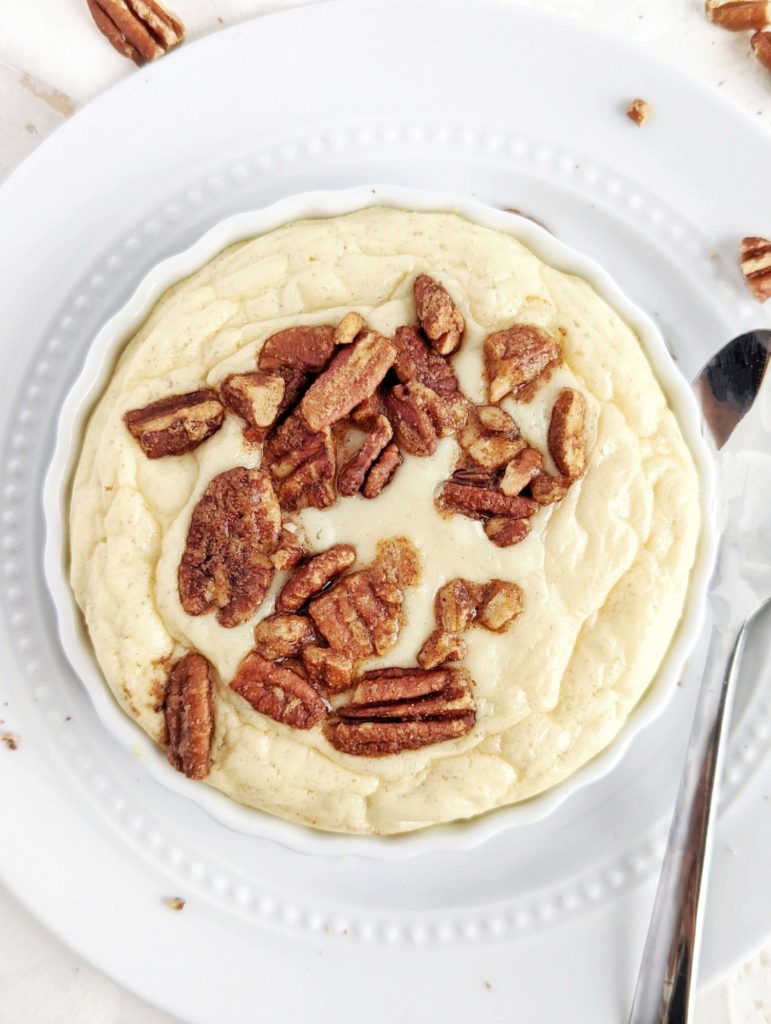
[(352, 376), (308, 349), (546, 490), (311, 578), (439, 317), (409, 408), (455, 605), (349, 328), (255, 397), (382, 473), (501, 603), (482, 502), (440, 648), (516, 357), (504, 533), (638, 111), (350, 479), (234, 528), (177, 424), (756, 263), (761, 47), (331, 669), (139, 29), (567, 441), (189, 710), (290, 551), (279, 692), (416, 360), (473, 475), (360, 615), (739, 15), (491, 437), (301, 463), (282, 636), (403, 709), (520, 471)]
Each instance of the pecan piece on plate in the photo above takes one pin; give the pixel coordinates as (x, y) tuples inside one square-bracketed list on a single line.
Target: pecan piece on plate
[(350, 479), (349, 328), (257, 398), (546, 490), (439, 317), (526, 465), (739, 15), (189, 710), (282, 636), (307, 349), (567, 441), (311, 578), (756, 263), (491, 437), (761, 47), (235, 526), (455, 605), (290, 551), (483, 502), (382, 473), (177, 424), (331, 669), (279, 692), (504, 533), (416, 360), (516, 357), (393, 710), (500, 604), (638, 111), (441, 647), (301, 463), (139, 29), (353, 375)]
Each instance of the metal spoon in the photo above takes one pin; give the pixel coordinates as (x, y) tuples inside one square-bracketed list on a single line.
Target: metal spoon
[(727, 388)]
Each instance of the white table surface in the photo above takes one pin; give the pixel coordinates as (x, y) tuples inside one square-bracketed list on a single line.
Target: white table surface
[(41, 981)]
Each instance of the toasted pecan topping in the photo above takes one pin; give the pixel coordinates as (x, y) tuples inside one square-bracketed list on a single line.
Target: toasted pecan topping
[(504, 533), (301, 463), (257, 398), (189, 711), (350, 479), (546, 490), (439, 317), (393, 710), (282, 636), (290, 551), (330, 669), (501, 603), (409, 408), (482, 502), (756, 261), (279, 692), (440, 648), (307, 349), (739, 15), (520, 471), (491, 437), (638, 111), (311, 578), (141, 30), (382, 472), (352, 376), (349, 328), (177, 424), (455, 605), (516, 357), (235, 526), (567, 441), (473, 475), (365, 414), (416, 360)]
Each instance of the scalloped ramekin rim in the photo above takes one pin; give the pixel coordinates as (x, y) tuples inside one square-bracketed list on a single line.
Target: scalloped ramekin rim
[(92, 380)]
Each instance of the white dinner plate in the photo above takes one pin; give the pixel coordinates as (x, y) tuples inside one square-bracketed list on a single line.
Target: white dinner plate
[(544, 922)]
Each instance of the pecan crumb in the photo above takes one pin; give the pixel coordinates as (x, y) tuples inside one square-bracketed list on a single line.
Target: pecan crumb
[(440, 648), (257, 398), (290, 551), (312, 577), (11, 740), (141, 30), (349, 328), (546, 490), (175, 903), (501, 603), (189, 712), (756, 266), (521, 470), (439, 317), (638, 111), (282, 636), (177, 424), (455, 605), (504, 533)]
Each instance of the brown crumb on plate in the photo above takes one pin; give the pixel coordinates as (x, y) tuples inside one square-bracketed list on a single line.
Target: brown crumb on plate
[(174, 902), (638, 111), (10, 740)]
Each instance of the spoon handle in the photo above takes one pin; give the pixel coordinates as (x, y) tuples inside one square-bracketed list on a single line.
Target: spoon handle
[(669, 965)]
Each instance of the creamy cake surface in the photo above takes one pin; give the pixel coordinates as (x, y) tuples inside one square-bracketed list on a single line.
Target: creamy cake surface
[(602, 573)]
